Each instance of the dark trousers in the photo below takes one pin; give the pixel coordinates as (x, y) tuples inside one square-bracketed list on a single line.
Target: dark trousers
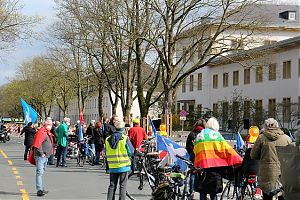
[(269, 197), (61, 153), (114, 177), (27, 148)]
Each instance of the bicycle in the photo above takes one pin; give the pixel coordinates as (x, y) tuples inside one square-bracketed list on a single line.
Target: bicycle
[(144, 165), (85, 153)]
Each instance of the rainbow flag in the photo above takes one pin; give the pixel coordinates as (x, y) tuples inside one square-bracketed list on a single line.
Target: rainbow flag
[(212, 150)]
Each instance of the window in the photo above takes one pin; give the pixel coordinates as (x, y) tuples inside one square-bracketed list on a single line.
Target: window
[(292, 15), (184, 86), (287, 69), (272, 108), (299, 67), (225, 79), (224, 113), (259, 74), (272, 72), (178, 108), (215, 81), (236, 111), (246, 76), (246, 109), (184, 55), (259, 110), (236, 78), (199, 110), (192, 52), (286, 105), (200, 81), (298, 107), (215, 109), (191, 83)]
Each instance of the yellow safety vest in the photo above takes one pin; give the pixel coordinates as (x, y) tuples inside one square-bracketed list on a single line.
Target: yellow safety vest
[(118, 157)]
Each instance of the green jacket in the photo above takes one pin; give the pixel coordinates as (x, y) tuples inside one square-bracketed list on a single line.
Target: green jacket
[(62, 134)]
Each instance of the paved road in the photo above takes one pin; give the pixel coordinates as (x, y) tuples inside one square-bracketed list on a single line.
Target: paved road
[(17, 178)]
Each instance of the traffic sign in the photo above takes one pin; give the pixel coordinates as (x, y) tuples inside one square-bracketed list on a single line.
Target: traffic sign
[(182, 118)]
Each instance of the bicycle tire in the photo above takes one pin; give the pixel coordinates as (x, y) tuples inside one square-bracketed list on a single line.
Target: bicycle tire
[(80, 159), (91, 157), (127, 193), (229, 191), (247, 193)]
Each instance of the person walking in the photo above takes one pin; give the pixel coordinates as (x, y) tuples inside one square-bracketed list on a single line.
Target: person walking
[(212, 152), (28, 140), (118, 152), (99, 142), (90, 134), (198, 127), (264, 150), (62, 144), (136, 134), (42, 149)]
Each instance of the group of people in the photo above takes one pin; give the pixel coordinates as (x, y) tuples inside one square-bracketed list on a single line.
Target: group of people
[(263, 150), (119, 143)]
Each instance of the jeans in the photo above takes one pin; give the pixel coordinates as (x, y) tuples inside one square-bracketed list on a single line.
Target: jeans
[(93, 146), (27, 148), (203, 196), (192, 182), (61, 152), (41, 164), (114, 177)]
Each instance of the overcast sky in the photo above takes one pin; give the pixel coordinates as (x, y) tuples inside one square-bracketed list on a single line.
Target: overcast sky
[(26, 50)]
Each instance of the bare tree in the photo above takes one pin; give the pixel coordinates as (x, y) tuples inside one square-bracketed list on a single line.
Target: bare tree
[(200, 26)]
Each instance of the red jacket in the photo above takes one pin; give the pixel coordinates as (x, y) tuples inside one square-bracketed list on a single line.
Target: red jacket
[(136, 135), (40, 137)]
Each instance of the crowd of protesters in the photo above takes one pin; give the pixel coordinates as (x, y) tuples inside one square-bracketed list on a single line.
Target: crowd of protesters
[(118, 142)]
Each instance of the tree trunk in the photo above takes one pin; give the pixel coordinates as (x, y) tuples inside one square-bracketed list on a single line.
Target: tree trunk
[(100, 101)]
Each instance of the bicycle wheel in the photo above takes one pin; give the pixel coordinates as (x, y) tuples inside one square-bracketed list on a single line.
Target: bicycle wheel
[(91, 157), (130, 177), (80, 159), (229, 191), (247, 193)]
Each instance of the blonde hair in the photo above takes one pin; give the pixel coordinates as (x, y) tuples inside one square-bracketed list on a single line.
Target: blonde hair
[(271, 123), (213, 124)]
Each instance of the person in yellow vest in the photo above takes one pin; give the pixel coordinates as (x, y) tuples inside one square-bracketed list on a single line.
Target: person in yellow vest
[(118, 153)]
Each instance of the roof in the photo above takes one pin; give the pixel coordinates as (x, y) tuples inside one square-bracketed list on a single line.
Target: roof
[(271, 13), (262, 15), (258, 52)]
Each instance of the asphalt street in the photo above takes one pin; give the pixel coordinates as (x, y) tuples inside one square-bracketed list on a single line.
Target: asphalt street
[(17, 178)]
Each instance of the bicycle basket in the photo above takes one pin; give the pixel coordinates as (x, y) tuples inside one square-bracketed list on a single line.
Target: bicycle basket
[(162, 192)]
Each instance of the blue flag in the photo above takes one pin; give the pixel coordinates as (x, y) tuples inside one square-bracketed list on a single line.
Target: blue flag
[(30, 115), (291, 136), (239, 141), (173, 149), (153, 129), (80, 132)]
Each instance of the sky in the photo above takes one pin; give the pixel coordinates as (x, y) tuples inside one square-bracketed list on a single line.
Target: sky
[(25, 50)]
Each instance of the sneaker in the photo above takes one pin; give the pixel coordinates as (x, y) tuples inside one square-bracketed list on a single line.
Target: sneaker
[(41, 193)]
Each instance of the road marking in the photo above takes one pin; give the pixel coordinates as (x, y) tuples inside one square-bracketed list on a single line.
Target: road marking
[(3, 154), (25, 195), (19, 183)]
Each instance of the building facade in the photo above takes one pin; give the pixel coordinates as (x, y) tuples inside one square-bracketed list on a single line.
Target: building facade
[(266, 71)]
